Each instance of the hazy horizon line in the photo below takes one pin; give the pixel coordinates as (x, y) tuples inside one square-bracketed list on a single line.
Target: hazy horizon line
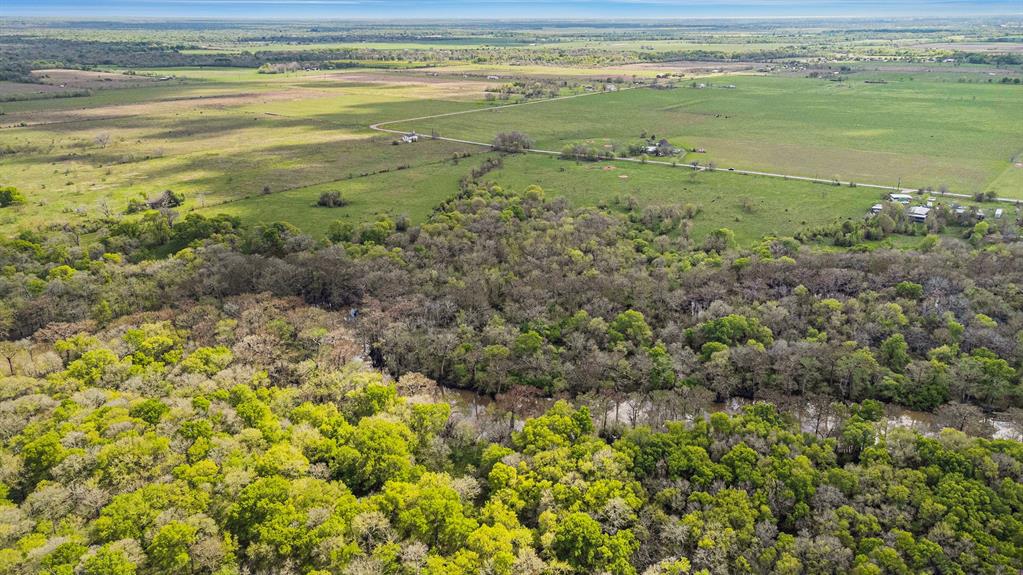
[(552, 19), (510, 10)]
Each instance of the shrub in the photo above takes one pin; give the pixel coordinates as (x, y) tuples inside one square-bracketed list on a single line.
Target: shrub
[(331, 199), (513, 142), (9, 195)]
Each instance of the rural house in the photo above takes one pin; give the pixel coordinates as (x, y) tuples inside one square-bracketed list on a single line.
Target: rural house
[(661, 148), (918, 214)]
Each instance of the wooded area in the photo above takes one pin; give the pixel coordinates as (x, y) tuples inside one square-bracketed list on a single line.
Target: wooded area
[(253, 322)]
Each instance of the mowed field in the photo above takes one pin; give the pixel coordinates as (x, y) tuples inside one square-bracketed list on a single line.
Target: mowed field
[(966, 136), (213, 135)]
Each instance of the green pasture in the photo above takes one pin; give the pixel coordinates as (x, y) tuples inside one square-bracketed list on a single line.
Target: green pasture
[(412, 192), (213, 141), (751, 206), (223, 136), (920, 132)]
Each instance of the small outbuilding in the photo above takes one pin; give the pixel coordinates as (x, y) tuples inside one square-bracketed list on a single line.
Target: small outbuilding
[(918, 214)]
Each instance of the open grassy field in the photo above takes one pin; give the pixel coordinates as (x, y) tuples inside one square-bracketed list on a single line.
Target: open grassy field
[(917, 131), (217, 136), (223, 136), (411, 192)]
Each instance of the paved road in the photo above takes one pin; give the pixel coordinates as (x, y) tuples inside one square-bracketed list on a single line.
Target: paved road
[(379, 126)]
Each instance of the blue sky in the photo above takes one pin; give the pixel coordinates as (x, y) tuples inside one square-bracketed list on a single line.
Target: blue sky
[(503, 9)]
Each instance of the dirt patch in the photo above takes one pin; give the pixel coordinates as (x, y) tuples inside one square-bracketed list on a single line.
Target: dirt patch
[(401, 78), (212, 101), (411, 79), (56, 82), (22, 89), (87, 80), (696, 67), (425, 84)]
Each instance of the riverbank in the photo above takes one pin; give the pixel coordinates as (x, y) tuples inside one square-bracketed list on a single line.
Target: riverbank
[(819, 418)]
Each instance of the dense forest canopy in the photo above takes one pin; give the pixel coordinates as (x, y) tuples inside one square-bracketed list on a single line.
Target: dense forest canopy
[(172, 442), (502, 289)]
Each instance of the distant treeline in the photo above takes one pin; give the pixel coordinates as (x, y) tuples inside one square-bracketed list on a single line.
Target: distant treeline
[(26, 52)]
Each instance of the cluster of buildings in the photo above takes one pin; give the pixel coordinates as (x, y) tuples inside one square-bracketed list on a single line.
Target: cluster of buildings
[(662, 148), (918, 214)]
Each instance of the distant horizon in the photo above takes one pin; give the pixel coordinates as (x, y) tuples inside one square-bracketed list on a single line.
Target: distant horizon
[(507, 10), (508, 19)]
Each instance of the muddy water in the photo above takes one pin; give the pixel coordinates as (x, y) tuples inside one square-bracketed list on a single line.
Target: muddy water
[(470, 405)]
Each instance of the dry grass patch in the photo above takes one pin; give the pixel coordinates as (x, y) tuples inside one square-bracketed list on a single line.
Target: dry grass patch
[(89, 80)]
